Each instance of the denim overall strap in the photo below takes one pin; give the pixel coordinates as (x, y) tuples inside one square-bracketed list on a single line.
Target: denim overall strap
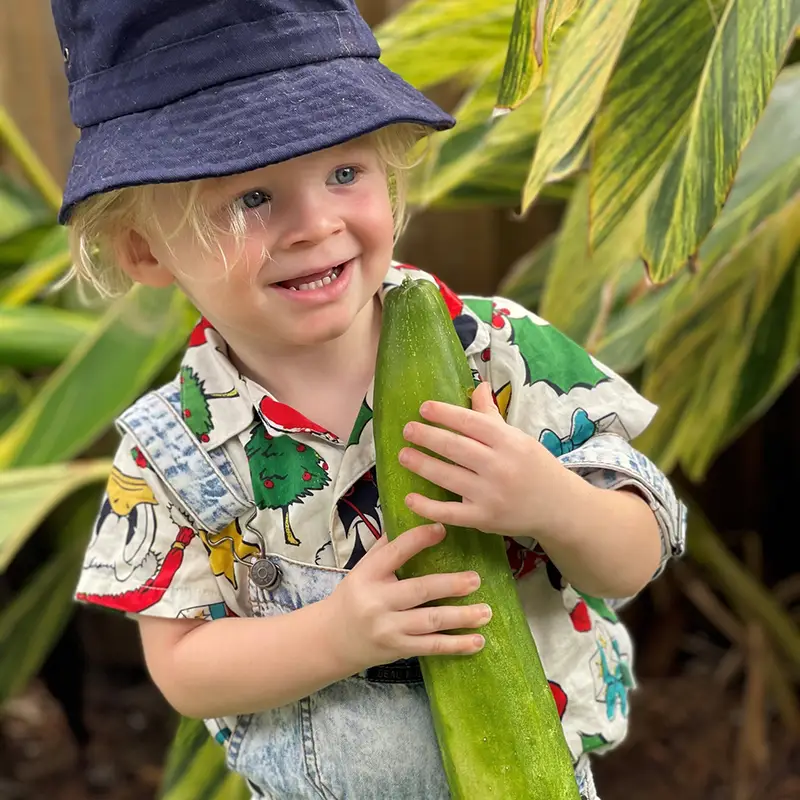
[(205, 483)]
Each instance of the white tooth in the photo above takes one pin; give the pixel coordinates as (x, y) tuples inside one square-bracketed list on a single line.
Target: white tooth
[(293, 288), (326, 280), (304, 287)]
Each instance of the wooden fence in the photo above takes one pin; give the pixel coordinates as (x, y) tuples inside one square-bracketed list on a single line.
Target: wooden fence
[(469, 249)]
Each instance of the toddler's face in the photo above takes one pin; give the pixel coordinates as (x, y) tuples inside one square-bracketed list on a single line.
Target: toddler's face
[(318, 242)]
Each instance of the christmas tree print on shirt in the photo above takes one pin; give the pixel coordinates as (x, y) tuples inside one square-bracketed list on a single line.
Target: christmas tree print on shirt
[(194, 402), (283, 472)]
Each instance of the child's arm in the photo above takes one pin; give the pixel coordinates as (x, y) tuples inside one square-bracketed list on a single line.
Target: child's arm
[(235, 666)]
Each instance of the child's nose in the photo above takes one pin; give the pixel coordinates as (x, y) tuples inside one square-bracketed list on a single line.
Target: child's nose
[(311, 221)]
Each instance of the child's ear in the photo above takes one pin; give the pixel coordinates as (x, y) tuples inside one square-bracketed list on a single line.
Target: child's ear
[(136, 258)]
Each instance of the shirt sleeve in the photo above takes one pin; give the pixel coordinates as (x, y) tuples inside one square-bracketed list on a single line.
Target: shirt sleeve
[(581, 410), (144, 557)]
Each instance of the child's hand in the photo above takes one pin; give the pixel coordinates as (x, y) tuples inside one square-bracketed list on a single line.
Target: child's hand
[(377, 615), (509, 483)]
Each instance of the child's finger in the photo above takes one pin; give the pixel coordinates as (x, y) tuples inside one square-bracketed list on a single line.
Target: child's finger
[(391, 557), (413, 592)]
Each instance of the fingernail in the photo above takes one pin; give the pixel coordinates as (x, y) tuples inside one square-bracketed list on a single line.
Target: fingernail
[(438, 527), (408, 430), (479, 642), (486, 611), (402, 456), (475, 580), (424, 408)]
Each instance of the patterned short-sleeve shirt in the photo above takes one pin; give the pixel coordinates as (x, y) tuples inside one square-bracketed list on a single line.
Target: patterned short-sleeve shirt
[(316, 499)]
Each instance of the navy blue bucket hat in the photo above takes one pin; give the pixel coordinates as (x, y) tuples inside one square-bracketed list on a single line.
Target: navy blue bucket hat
[(173, 90)]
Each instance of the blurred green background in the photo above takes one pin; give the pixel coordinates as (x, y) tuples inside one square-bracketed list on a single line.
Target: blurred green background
[(630, 169)]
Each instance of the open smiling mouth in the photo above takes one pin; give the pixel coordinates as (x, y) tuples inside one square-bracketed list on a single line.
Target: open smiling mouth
[(316, 280)]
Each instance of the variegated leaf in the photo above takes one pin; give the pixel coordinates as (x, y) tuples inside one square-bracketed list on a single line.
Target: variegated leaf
[(431, 41), (535, 23), (106, 372), (646, 105), (585, 62), (741, 66), (720, 356), (28, 495)]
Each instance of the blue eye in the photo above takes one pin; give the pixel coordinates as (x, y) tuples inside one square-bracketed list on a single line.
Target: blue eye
[(254, 199), (344, 175)]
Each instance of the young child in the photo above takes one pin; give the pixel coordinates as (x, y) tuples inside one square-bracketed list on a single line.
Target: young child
[(253, 153)]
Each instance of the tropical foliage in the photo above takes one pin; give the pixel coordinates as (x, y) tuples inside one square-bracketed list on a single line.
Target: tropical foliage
[(671, 130)]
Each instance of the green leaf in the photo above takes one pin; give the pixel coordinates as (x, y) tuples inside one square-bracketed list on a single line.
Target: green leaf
[(15, 393), (646, 105), (585, 62), (535, 22), (431, 41), (38, 336), (580, 284), (104, 374), (768, 174), (526, 277), (46, 262), (35, 617), (741, 66), (196, 768), (623, 346), (738, 325), (19, 210), (28, 495), (480, 151)]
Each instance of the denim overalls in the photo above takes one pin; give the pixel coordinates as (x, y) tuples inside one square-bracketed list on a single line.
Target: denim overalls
[(368, 737)]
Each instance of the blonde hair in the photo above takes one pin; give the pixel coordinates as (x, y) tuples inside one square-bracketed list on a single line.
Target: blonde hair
[(96, 223)]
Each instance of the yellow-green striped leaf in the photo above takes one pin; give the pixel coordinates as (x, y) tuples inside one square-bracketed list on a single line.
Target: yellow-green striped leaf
[(15, 393), (431, 41), (40, 336), (580, 284), (28, 495), (19, 210), (45, 261), (739, 327), (34, 619), (585, 62), (535, 22), (196, 769), (646, 105), (768, 174), (105, 373), (749, 46), (480, 150)]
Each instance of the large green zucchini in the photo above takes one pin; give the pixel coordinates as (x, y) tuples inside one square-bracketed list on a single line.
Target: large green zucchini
[(494, 714)]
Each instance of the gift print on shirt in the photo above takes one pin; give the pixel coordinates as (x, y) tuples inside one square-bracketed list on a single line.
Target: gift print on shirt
[(194, 402), (141, 573), (283, 472)]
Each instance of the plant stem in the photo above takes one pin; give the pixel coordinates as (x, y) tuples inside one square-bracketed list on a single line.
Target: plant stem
[(35, 171)]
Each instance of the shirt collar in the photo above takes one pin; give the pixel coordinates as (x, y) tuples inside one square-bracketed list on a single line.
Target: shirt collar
[(219, 403)]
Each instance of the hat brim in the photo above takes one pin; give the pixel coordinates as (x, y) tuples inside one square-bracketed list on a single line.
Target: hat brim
[(245, 125)]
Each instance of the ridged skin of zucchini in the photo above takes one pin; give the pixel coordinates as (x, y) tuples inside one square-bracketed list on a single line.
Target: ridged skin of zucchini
[(494, 714)]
